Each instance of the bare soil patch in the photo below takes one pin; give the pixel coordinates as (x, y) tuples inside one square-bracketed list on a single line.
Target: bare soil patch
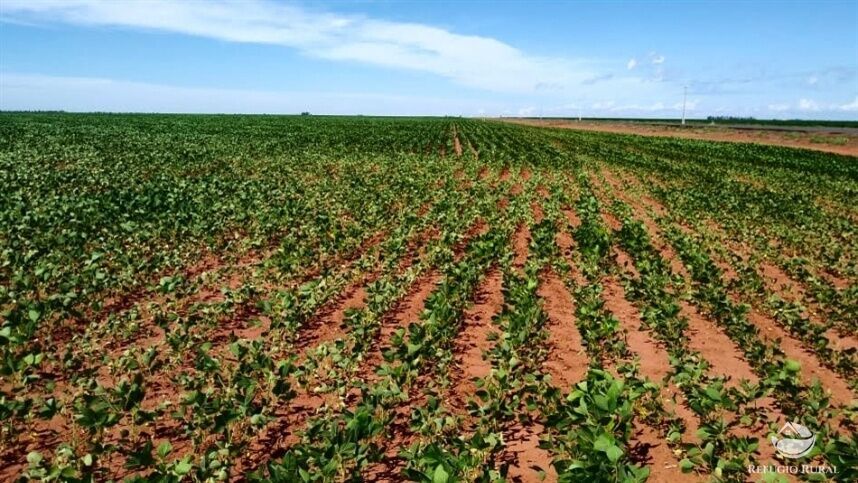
[(716, 347), (572, 217), (651, 449), (567, 360), (820, 141), (521, 242), (526, 459), (407, 311), (653, 358), (457, 145), (538, 213), (473, 340), (810, 366)]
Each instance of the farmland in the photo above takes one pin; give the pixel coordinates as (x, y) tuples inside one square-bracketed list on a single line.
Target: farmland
[(431, 299), (827, 136)]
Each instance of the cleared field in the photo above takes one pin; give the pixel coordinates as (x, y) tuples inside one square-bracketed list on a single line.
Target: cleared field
[(827, 136), (314, 299)]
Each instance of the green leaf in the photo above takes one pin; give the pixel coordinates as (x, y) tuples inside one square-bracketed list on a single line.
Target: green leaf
[(603, 442), (183, 467), (792, 366), (164, 449), (686, 465), (614, 453), (602, 402), (440, 475), (34, 458), (713, 393)]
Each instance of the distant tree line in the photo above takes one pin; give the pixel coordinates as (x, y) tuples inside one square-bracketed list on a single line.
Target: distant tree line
[(730, 118)]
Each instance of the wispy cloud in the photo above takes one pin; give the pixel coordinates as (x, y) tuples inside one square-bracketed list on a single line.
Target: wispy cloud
[(805, 105), (470, 60), (528, 111), (650, 83), (650, 65), (808, 105), (612, 106), (850, 106), (41, 92), (597, 78)]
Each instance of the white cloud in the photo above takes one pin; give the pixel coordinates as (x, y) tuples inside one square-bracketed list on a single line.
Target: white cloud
[(808, 105), (657, 106), (850, 106), (613, 107), (632, 64), (470, 60), (529, 111), (690, 105), (656, 59), (812, 80), (603, 105), (40, 92)]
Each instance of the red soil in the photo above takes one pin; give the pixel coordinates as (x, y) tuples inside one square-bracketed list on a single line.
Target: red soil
[(840, 341), (473, 150), (650, 449), (504, 174), (526, 459), (665, 250), (538, 214), (407, 311), (613, 223), (398, 435), (810, 365), (624, 261), (521, 241), (567, 361), (330, 325), (712, 133), (654, 362), (572, 217), (42, 436), (567, 245), (778, 282), (653, 358), (473, 340), (457, 145), (716, 347)]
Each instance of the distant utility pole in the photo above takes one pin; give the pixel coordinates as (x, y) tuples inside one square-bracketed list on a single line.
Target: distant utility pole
[(684, 98)]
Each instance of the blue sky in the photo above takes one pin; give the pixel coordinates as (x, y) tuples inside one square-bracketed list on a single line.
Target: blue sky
[(618, 59)]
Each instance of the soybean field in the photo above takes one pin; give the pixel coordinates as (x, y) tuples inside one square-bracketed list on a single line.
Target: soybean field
[(309, 298)]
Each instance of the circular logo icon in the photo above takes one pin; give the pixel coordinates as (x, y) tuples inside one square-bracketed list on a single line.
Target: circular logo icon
[(793, 441)]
